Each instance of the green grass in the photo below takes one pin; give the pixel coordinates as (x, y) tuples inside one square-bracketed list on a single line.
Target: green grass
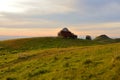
[(79, 63), (59, 59), (21, 45)]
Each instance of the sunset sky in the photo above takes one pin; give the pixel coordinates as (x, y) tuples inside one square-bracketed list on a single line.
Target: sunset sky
[(47, 17)]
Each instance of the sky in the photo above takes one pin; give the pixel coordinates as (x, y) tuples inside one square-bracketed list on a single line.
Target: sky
[(48, 17)]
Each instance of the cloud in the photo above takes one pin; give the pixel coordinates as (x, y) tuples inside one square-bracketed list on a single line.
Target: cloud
[(68, 11), (41, 7), (29, 31), (110, 28), (99, 8), (48, 28), (11, 6), (28, 23), (98, 26)]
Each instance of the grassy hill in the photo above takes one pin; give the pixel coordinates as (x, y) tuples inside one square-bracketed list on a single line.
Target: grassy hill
[(21, 45), (58, 59)]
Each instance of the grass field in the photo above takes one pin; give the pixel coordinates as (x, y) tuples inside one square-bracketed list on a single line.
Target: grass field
[(59, 59), (21, 45)]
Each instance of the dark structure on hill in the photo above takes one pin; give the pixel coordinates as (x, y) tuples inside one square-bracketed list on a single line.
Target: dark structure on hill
[(65, 33), (103, 37), (88, 37)]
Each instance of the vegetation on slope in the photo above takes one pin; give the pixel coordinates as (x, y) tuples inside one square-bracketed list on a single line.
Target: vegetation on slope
[(100, 62), (21, 45)]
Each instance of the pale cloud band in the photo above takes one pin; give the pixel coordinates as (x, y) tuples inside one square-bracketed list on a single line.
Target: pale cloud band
[(40, 7), (111, 29)]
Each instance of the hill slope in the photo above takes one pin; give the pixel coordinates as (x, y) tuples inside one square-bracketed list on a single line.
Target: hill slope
[(21, 45), (100, 62)]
